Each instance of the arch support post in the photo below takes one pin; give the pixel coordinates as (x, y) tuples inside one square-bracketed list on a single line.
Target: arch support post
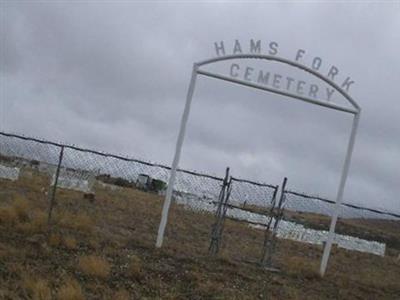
[(339, 197), (178, 148)]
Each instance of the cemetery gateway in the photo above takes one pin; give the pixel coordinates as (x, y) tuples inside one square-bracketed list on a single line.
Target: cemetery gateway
[(295, 89)]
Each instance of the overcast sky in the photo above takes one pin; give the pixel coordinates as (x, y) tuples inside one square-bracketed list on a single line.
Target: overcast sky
[(114, 75)]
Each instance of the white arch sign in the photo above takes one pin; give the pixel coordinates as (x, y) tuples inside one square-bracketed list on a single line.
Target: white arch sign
[(255, 49)]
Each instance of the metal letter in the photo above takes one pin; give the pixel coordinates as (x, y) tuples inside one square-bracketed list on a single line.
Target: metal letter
[(333, 72), (219, 48), (255, 47), (263, 79), (273, 46), (316, 64), (300, 84), (237, 48), (248, 73), (347, 83), (236, 66), (277, 81), (329, 92), (300, 54), (289, 82), (313, 90)]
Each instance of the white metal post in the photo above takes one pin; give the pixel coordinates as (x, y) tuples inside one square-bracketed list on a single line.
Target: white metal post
[(339, 197), (178, 148)]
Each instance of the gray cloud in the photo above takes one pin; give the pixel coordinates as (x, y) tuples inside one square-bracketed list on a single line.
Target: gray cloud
[(114, 77)]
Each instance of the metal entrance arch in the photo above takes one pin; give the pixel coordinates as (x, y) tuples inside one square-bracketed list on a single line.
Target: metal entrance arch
[(355, 111)]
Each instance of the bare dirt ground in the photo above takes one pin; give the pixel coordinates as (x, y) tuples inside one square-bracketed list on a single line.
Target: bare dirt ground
[(103, 248)]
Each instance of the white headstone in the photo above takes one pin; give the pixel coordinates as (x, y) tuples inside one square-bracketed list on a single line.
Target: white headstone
[(9, 173)]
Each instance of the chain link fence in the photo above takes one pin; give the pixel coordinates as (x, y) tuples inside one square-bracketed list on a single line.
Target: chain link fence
[(308, 217), (123, 197)]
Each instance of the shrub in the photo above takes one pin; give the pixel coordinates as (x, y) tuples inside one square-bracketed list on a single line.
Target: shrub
[(8, 216), (135, 267), (21, 208), (70, 290), (70, 242), (35, 162), (80, 222), (94, 266), (39, 222), (300, 267), (157, 185), (122, 182), (106, 178), (54, 240), (93, 243), (83, 222), (121, 295), (37, 289)]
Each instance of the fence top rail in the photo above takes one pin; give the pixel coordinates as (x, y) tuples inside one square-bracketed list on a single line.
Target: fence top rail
[(308, 196), (254, 183), (343, 204), (73, 147), (105, 154)]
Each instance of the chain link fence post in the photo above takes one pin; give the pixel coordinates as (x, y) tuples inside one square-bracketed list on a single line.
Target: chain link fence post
[(268, 227), (52, 194), (270, 237), (217, 227)]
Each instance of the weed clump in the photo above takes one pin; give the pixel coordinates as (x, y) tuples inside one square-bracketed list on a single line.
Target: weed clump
[(37, 289), (121, 295), (93, 243), (135, 267), (8, 216), (300, 267), (70, 290), (54, 240), (21, 208), (38, 224), (80, 222), (16, 212), (70, 242), (83, 223), (94, 266)]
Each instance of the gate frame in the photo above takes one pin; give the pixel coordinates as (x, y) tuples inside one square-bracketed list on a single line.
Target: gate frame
[(355, 111)]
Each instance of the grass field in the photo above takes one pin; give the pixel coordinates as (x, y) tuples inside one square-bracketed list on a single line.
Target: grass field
[(104, 249)]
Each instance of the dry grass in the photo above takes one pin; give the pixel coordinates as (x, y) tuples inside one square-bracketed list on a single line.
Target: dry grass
[(135, 267), (21, 208), (121, 295), (8, 216), (83, 223), (93, 243), (38, 289), (37, 223), (39, 220), (70, 243), (54, 240), (70, 290), (80, 222), (95, 266), (126, 227), (20, 214), (299, 266), (4, 252)]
